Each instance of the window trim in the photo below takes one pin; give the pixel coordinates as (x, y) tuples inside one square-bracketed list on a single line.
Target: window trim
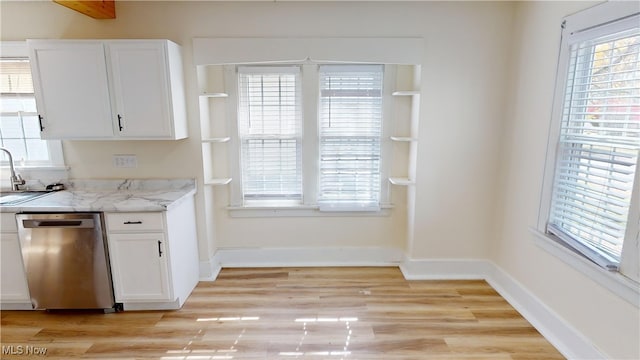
[(19, 49), (618, 282), (297, 136), (310, 152)]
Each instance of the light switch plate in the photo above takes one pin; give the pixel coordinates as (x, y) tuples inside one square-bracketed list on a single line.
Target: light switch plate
[(125, 161)]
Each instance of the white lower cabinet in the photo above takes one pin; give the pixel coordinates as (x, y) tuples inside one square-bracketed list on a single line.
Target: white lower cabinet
[(139, 267), (14, 291), (153, 256)]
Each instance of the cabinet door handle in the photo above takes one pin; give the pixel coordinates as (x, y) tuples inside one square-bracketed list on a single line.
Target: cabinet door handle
[(40, 122), (120, 122), (132, 222), (159, 248)]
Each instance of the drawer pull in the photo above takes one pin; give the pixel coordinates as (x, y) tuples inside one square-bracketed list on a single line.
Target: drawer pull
[(132, 222)]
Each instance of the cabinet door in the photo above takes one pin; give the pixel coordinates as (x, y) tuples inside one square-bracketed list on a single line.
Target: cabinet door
[(71, 89), (139, 267), (13, 280), (140, 83)]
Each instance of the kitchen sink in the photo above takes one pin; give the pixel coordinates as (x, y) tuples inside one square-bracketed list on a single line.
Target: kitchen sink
[(18, 197)]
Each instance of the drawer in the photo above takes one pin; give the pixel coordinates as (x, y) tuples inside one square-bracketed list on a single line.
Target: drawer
[(8, 223), (128, 222)]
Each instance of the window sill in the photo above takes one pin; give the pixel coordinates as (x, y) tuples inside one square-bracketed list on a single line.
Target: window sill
[(41, 168), (300, 211), (36, 167), (614, 281)]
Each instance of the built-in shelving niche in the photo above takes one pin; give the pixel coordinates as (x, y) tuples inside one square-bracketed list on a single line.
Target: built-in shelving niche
[(404, 131), (214, 125)]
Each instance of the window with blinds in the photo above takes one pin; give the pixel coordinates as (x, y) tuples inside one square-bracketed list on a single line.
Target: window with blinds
[(350, 131), (599, 143), (19, 126), (270, 132)]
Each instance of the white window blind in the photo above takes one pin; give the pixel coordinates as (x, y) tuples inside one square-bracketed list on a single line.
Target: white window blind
[(599, 143), (350, 130), (19, 125), (270, 132)]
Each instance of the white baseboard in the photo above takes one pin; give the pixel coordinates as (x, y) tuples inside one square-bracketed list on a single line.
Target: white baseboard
[(299, 257), (445, 269), (570, 342), (209, 269), (16, 306), (137, 306), (291, 257)]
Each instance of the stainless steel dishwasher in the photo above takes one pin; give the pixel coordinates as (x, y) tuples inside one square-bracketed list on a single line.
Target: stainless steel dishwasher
[(66, 260)]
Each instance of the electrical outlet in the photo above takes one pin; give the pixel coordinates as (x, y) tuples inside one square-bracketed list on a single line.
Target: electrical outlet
[(125, 161)]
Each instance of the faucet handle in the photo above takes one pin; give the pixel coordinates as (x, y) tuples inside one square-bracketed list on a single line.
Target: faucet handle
[(16, 181)]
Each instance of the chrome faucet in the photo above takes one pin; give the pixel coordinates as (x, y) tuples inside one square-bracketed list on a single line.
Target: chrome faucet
[(16, 179)]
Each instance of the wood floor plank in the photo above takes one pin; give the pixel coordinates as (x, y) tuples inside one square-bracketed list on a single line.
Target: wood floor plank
[(11, 334), (369, 313), (517, 346)]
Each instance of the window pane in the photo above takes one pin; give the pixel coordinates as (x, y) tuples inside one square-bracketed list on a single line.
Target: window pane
[(350, 134), (270, 105), (31, 127), (28, 103), (270, 130), (11, 127), (17, 102), (10, 103), (15, 76), (17, 148), (271, 169), (37, 150)]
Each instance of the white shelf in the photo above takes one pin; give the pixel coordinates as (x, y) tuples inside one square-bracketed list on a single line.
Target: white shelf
[(405, 93), (217, 182), (216, 140), (401, 181), (214, 95), (403, 138)]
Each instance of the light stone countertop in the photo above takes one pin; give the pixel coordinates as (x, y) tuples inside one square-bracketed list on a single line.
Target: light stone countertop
[(111, 196)]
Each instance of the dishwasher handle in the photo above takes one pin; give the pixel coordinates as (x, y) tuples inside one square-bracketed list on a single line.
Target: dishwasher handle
[(55, 223)]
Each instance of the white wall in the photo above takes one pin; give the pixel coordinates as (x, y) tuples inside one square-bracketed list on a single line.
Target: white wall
[(465, 71), (611, 323), (467, 51)]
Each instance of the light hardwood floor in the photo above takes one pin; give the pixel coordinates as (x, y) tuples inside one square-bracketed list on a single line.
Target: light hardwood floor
[(295, 313)]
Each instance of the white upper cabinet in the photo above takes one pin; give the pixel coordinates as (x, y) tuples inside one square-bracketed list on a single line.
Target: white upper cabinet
[(146, 97), (109, 89), (71, 89)]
